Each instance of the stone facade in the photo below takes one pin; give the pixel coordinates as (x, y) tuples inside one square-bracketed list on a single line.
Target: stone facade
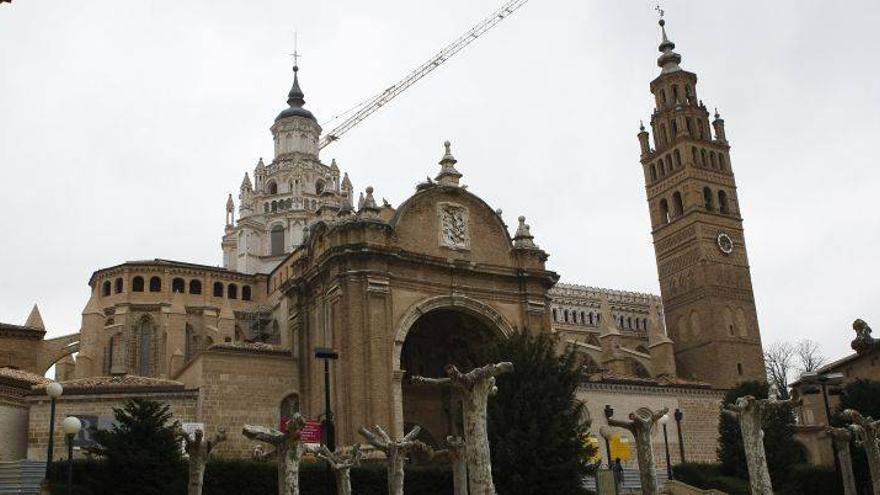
[(15, 385), (698, 235)]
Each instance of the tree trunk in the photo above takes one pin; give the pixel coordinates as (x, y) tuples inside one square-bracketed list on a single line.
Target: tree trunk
[(841, 438), (870, 443), (479, 461), (458, 454), (343, 481), (645, 455), (196, 474), (395, 471), (753, 443)]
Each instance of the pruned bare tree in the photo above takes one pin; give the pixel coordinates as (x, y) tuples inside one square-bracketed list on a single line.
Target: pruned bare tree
[(779, 360), (808, 356)]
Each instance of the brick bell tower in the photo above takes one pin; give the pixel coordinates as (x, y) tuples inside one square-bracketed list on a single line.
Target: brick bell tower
[(702, 264)]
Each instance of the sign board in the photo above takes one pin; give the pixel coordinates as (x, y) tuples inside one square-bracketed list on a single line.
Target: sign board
[(191, 428), (311, 433), (621, 447)]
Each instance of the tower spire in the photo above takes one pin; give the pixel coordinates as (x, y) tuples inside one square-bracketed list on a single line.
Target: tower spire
[(668, 60), (296, 97)]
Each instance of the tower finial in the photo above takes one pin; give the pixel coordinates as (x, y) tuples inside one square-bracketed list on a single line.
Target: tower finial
[(669, 60), (296, 98)]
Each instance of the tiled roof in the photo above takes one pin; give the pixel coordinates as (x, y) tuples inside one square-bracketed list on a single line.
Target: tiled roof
[(23, 376), (126, 382), (606, 376)]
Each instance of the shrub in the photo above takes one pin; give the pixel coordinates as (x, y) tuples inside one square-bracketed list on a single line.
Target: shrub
[(807, 479), (708, 476)]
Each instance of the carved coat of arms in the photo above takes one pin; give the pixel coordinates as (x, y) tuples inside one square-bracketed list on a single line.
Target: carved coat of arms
[(454, 226)]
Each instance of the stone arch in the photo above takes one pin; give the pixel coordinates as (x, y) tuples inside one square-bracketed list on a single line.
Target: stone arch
[(492, 318), (54, 350)]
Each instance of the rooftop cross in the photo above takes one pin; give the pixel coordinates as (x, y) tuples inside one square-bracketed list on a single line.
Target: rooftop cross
[(296, 56)]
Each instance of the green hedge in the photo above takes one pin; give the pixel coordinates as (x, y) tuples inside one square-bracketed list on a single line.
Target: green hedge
[(235, 477), (708, 476), (805, 479)]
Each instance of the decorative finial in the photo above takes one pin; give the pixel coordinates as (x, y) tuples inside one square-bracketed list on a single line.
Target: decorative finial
[(641, 126), (717, 115), (669, 60), (448, 175), (524, 238)]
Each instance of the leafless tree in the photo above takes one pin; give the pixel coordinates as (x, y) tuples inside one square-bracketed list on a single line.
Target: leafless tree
[(779, 359), (808, 356)]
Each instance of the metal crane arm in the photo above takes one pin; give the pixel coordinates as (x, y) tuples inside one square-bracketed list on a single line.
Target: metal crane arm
[(443, 55)]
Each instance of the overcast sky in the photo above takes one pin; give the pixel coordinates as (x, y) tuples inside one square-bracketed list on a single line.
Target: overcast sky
[(123, 126)]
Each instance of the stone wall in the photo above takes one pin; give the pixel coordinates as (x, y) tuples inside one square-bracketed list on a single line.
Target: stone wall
[(94, 403), (13, 421), (701, 408), (239, 386)]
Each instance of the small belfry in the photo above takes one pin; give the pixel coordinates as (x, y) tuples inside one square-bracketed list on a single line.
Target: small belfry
[(699, 243), (286, 195)]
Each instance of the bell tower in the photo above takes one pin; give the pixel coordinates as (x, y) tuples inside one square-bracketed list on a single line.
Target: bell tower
[(699, 243)]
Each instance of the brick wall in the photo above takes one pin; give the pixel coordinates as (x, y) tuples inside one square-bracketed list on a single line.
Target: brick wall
[(699, 427), (13, 428), (183, 407)]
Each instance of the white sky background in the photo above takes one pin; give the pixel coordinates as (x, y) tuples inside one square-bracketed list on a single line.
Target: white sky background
[(123, 126)]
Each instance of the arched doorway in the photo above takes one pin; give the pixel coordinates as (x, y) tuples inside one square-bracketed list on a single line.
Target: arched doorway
[(437, 338)]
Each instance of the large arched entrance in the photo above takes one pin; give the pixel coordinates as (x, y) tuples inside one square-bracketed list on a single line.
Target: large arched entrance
[(437, 338)]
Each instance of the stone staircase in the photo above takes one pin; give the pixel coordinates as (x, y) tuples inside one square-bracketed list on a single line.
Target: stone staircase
[(21, 477)]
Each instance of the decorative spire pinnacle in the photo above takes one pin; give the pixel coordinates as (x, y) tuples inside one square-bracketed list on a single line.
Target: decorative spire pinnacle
[(260, 166), (641, 126), (361, 202), (524, 238), (230, 205), (333, 166), (35, 320), (448, 175), (295, 99), (369, 201), (346, 182), (246, 182), (717, 115), (669, 60)]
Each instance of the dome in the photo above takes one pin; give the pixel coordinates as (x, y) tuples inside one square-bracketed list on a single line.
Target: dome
[(296, 101)]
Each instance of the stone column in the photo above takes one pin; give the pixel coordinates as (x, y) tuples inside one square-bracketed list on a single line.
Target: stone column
[(841, 438), (867, 432), (198, 449), (747, 411), (395, 452), (641, 423), (475, 387), (288, 447)]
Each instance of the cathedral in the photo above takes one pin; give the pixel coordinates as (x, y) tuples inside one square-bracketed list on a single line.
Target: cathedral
[(402, 291)]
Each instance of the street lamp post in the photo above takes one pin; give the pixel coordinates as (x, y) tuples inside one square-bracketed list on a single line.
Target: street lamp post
[(53, 390), (824, 380), (329, 429), (71, 426), (663, 421), (609, 412), (678, 417)]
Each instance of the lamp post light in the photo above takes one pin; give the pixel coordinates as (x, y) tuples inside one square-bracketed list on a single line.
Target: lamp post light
[(663, 421), (71, 426), (327, 354), (678, 417), (54, 391), (824, 380), (609, 412)]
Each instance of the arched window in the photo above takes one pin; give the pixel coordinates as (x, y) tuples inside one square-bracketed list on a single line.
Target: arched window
[(590, 316), (232, 291), (195, 286), (218, 289), (629, 323), (137, 284), (145, 347), (653, 172), (722, 202), (712, 159), (246, 293), (690, 127), (721, 161), (583, 318), (277, 240), (674, 128), (555, 315), (663, 137), (727, 315), (739, 368), (699, 128), (664, 211), (274, 206), (155, 284), (265, 207), (662, 169), (319, 187), (677, 204), (178, 285), (669, 163), (118, 285), (688, 93), (696, 155), (703, 158), (566, 316), (675, 93), (677, 158), (289, 406), (707, 199), (105, 288), (272, 187)]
